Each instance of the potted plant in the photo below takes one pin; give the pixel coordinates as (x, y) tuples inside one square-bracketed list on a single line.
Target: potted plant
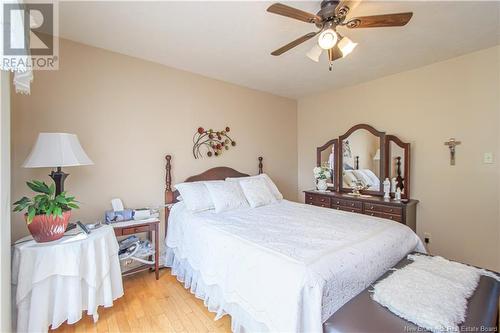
[(321, 174), (47, 214)]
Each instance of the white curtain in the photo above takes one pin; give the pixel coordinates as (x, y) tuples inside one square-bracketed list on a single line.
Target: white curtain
[(23, 75)]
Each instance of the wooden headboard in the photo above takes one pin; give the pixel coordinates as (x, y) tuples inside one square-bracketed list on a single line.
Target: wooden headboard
[(218, 173)]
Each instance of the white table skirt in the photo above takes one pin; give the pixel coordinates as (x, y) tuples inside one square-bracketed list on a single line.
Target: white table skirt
[(57, 281)]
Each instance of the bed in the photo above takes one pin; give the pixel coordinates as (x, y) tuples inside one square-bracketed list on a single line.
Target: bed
[(284, 266)]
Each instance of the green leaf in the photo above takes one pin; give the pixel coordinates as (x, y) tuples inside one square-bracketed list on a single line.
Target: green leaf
[(21, 201), (52, 189), (72, 205), (61, 200), (38, 186), (58, 211), (31, 214)]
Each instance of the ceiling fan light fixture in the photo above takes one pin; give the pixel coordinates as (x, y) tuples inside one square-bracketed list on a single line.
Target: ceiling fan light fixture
[(327, 39), (314, 53), (346, 46)]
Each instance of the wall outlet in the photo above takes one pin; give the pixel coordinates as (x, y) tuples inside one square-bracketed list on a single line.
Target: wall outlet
[(427, 237), (488, 158)]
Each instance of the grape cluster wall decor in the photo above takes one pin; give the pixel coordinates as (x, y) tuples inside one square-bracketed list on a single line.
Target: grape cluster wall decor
[(211, 143)]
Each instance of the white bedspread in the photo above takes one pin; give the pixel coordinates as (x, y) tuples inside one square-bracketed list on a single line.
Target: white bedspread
[(290, 266)]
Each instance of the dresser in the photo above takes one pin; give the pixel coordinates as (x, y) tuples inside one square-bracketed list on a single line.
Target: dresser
[(398, 211)]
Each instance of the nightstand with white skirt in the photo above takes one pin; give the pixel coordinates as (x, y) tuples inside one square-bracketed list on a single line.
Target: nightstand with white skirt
[(55, 282)]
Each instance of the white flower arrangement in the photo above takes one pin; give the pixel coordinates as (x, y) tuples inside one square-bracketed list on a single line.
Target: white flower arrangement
[(322, 173)]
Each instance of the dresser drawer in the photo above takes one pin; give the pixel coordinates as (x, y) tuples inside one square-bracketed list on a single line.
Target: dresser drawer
[(349, 209), (383, 209), (318, 200), (134, 230), (397, 218), (319, 204), (347, 203)]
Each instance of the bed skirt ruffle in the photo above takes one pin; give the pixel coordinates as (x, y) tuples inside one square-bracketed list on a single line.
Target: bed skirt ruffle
[(212, 295)]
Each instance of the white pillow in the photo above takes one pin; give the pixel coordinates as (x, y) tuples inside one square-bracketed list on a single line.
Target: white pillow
[(195, 196), (257, 192), (349, 178), (270, 184), (226, 196)]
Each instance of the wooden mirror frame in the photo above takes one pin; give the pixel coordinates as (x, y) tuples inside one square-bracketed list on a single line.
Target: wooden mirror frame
[(407, 160), (382, 168), (319, 150)]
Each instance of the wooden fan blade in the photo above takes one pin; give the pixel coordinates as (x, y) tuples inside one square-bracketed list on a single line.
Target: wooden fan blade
[(346, 6), (376, 21), (294, 13), (291, 45), (334, 53)]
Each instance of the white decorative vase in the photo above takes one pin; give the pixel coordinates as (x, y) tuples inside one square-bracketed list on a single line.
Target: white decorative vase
[(321, 185)]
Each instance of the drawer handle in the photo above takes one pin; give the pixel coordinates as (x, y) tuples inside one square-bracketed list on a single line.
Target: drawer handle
[(391, 210), (337, 202), (352, 205), (391, 217), (322, 205), (338, 208), (371, 207), (352, 210), (322, 199), (371, 214)]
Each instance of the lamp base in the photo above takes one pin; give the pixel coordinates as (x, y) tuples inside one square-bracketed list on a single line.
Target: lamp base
[(59, 177)]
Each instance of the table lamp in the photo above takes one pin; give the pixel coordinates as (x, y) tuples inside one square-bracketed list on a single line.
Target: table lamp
[(57, 150)]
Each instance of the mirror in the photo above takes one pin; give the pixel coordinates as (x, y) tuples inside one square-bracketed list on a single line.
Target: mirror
[(326, 156), (362, 161), (398, 160)]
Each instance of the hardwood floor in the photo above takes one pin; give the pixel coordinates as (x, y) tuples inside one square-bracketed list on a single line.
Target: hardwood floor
[(149, 305)]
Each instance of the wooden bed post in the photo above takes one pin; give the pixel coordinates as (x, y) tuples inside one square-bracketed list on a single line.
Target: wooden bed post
[(169, 194), (260, 165)]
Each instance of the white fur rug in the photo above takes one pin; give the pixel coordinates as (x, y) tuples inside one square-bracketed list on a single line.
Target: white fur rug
[(431, 292)]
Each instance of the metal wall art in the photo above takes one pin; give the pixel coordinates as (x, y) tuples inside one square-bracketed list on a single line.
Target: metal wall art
[(211, 143)]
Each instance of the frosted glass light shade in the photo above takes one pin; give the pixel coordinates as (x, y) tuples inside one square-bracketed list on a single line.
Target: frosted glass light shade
[(327, 39), (56, 150), (346, 46), (376, 157), (314, 53)]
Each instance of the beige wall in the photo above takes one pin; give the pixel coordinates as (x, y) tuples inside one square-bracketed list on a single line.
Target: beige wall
[(455, 98), (128, 113)]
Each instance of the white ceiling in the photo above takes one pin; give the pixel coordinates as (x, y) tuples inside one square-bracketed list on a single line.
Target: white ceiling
[(231, 41)]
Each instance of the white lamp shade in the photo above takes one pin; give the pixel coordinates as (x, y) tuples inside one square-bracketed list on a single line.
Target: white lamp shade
[(56, 150), (376, 157)]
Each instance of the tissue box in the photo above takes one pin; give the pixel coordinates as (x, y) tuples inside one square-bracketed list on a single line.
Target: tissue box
[(124, 215)]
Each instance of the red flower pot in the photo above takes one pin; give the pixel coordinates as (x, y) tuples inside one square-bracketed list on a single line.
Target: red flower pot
[(45, 228)]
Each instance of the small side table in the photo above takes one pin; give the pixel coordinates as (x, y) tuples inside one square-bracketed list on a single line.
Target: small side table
[(135, 227), (55, 281)]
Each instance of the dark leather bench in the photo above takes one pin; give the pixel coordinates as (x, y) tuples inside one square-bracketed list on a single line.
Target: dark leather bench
[(362, 314)]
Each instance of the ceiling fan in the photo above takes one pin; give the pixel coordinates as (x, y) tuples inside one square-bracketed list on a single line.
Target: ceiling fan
[(333, 13)]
